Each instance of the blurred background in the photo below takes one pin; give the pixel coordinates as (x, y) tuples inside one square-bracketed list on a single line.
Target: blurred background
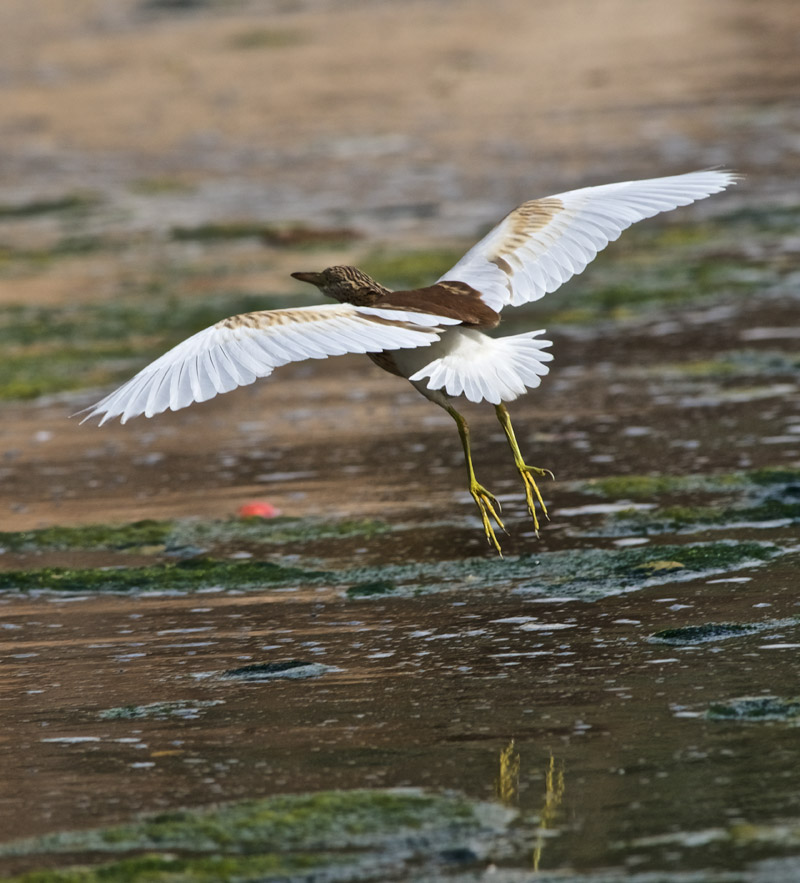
[(166, 163), (383, 114)]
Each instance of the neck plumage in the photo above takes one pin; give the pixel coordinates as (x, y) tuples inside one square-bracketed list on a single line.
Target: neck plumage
[(365, 295)]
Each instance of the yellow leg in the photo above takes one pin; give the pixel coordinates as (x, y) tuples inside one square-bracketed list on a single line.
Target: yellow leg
[(484, 500), (527, 472)]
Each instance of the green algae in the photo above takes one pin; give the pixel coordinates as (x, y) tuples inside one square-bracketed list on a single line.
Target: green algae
[(279, 531), (266, 38), (166, 868), (581, 573), (284, 235), (285, 822), (411, 269), (734, 363), (70, 203), (586, 573), (353, 834), (369, 589), (292, 669), (755, 708), (66, 247), (645, 487), (760, 496), (158, 185), (673, 519), (60, 348), (134, 535), (720, 631), (194, 573), (173, 536), (159, 710), (770, 475), (709, 631)]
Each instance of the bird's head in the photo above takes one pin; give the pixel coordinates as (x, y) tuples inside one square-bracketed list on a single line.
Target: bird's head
[(348, 285)]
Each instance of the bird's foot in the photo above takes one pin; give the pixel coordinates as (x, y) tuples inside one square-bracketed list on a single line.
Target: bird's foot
[(531, 491), (486, 503)]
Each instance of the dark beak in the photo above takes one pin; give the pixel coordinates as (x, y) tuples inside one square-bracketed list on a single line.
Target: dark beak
[(313, 278)]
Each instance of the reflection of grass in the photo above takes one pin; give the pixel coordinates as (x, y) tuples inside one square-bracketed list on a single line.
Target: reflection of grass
[(553, 797), (506, 785)]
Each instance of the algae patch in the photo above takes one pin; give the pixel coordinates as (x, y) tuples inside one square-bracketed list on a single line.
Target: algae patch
[(710, 631), (755, 708), (174, 536), (766, 497), (186, 575), (293, 669), (377, 587), (181, 708), (353, 834), (581, 573), (412, 269), (135, 535), (277, 531)]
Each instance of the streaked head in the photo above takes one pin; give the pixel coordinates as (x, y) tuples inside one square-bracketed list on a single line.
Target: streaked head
[(348, 285)]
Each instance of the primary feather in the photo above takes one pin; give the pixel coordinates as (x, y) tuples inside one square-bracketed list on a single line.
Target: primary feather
[(544, 242), (238, 350)]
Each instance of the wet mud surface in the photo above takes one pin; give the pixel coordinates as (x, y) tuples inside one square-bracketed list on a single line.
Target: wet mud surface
[(360, 689)]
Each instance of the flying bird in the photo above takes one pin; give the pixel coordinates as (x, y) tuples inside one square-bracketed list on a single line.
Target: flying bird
[(435, 337)]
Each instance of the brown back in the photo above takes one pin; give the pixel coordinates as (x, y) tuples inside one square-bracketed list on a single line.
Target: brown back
[(453, 300)]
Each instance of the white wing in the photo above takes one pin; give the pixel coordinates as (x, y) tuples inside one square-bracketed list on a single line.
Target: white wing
[(545, 242), (238, 350)]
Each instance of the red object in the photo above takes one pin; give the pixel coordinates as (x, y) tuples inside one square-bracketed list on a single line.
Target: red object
[(257, 509)]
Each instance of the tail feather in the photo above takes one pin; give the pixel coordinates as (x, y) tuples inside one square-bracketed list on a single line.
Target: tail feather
[(485, 368)]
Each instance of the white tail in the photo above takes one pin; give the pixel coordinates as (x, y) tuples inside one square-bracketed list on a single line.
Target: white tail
[(495, 369)]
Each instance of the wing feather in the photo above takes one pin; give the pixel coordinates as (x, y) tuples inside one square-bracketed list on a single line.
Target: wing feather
[(543, 243), (237, 351)]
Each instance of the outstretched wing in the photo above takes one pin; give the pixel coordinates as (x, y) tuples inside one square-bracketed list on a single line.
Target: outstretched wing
[(545, 242), (238, 350)]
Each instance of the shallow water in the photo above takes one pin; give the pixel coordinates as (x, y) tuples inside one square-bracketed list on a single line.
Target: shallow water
[(533, 682), (427, 691)]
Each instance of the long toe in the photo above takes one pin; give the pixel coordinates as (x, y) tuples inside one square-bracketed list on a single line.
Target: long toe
[(533, 496), (486, 502)]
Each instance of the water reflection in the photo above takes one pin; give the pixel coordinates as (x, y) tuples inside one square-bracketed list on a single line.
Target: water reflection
[(506, 785), (553, 796), (506, 789)]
